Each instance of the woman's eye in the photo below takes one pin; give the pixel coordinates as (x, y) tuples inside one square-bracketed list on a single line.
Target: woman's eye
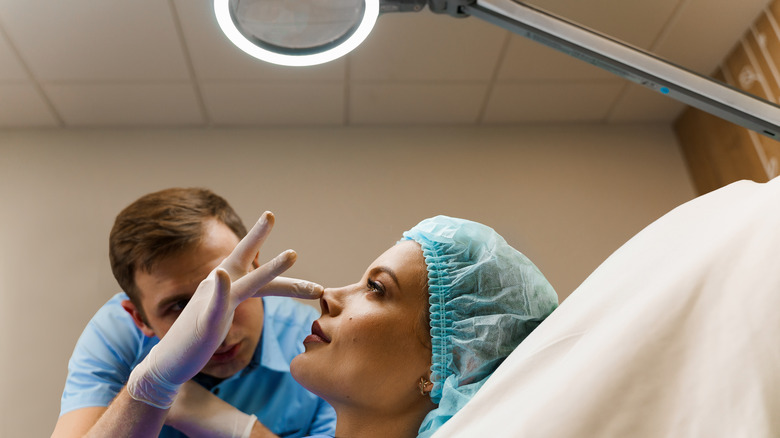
[(376, 287)]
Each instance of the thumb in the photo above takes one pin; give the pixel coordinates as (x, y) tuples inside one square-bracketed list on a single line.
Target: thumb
[(218, 305), (222, 282), (221, 297)]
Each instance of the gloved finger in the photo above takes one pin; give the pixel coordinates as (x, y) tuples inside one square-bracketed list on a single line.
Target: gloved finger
[(240, 260), (197, 332), (219, 306), (247, 286), (291, 287), (211, 304)]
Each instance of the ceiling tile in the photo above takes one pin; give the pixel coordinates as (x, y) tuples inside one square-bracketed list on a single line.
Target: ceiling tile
[(11, 69), (22, 106), (415, 103), (214, 57), (428, 46), (640, 104), (103, 40), (700, 45), (565, 101), (635, 22), (125, 104), (264, 104)]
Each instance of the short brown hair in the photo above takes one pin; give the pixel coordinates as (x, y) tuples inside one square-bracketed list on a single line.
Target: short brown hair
[(160, 225)]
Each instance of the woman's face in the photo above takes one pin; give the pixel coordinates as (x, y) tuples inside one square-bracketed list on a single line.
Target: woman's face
[(372, 345)]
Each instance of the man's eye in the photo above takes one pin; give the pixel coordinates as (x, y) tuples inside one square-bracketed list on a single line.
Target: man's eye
[(376, 287), (179, 305)]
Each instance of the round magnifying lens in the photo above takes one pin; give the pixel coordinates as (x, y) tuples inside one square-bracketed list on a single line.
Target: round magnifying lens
[(296, 32)]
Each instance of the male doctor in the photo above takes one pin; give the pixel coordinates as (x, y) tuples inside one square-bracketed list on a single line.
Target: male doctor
[(174, 255)]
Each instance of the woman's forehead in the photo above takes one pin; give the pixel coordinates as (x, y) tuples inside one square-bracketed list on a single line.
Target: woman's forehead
[(404, 258), (407, 252)]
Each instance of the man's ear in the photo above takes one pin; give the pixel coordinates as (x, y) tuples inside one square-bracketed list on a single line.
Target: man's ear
[(137, 319)]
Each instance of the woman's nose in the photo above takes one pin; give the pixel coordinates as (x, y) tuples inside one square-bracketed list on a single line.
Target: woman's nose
[(332, 301)]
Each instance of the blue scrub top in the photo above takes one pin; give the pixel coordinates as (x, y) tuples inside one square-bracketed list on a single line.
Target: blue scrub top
[(111, 346)]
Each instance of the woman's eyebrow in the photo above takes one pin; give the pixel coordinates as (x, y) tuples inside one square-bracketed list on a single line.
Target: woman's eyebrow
[(387, 271)]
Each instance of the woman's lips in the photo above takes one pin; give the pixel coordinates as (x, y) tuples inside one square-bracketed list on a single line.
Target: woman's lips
[(226, 353), (317, 335)]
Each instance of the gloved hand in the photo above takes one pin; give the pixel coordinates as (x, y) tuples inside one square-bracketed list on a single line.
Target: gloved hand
[(203, 324), (198, 413)]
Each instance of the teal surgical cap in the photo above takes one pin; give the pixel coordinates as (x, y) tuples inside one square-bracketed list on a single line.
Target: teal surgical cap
[(485, 298)]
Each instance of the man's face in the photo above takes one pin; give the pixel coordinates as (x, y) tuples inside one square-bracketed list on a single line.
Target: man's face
[(168, 287)]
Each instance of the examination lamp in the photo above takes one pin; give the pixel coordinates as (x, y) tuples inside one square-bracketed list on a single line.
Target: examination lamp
[(310, 32)]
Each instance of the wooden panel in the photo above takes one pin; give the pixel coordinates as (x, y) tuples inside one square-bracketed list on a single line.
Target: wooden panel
[(719, 152)]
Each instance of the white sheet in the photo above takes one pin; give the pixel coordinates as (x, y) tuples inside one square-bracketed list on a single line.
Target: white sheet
[(677, 334)]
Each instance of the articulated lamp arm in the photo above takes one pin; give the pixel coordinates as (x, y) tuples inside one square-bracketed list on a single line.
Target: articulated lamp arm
[(620, 59)]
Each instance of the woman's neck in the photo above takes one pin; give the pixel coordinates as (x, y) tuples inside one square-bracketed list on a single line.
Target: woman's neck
[(353, 422)]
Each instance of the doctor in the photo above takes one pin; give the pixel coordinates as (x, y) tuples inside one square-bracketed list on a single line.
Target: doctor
[(162, 247)]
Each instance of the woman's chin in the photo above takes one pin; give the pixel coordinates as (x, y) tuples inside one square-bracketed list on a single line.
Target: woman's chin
[(295, 367), (303, 373)]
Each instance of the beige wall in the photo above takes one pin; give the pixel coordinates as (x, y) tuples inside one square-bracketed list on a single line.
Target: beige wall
[(567, 196)]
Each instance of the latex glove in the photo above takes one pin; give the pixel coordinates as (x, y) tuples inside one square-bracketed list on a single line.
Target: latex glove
[(203, 324), (198, 413)]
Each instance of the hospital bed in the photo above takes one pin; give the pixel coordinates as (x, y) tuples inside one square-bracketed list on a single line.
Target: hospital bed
[(677, 334)]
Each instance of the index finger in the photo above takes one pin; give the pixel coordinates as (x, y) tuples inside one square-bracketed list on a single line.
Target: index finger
[(291, 287)]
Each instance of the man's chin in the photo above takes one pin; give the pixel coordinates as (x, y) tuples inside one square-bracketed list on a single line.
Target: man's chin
[(224, 369)]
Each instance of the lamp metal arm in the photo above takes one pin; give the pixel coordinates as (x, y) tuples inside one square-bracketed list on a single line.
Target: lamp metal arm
[(618, 58)]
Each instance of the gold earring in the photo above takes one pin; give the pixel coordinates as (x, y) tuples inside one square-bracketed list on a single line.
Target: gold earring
[(423, 384)]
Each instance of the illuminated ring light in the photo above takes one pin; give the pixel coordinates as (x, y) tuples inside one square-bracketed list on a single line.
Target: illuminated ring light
[(329, 53)]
